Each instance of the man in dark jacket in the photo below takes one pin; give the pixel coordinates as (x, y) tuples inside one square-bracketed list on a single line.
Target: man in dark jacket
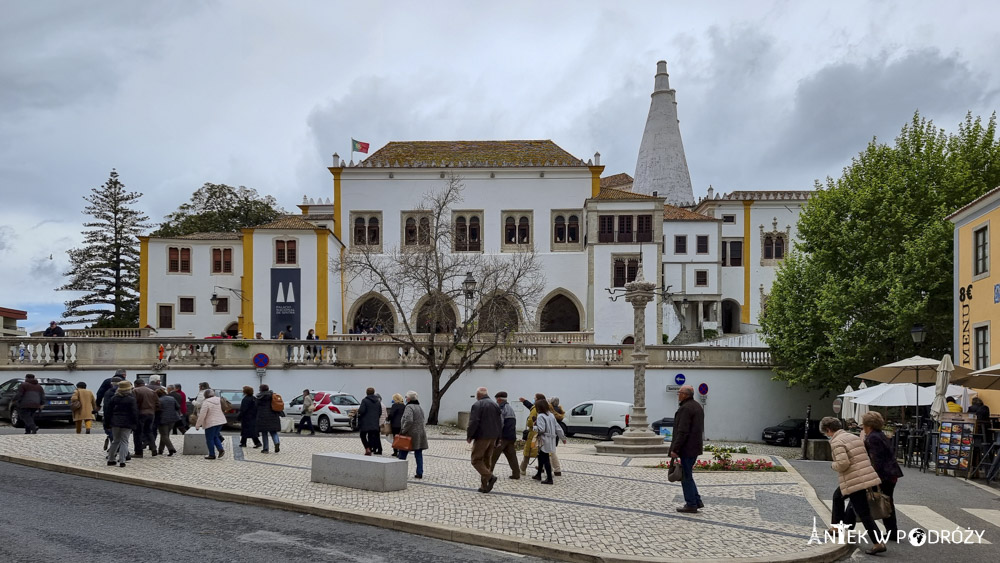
[(105, 402), (30, 398), (148, 404), (124, 416), (56, 331), (268, 419), (689, 428), (508, 435), (174, 390), (369, 414), (485, 428), (108, 385)]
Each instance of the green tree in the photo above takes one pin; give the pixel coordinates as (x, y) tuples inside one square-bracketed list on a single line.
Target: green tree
[(875, 256), (221, 209), (106, 267)]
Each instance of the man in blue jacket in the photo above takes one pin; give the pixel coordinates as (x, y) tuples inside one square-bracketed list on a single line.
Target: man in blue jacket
[(508, 435)]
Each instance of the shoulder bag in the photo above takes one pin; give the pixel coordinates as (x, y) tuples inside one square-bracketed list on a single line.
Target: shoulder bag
[(402, 443), (879, 504)]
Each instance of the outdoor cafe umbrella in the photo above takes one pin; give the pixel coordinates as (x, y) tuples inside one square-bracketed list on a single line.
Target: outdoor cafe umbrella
[(860, 410), (896, 395), (941, 388), (848, 407), (908, 371), (986, 378)]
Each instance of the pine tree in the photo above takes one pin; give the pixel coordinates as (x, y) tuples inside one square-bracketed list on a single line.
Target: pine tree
[(106, 267)]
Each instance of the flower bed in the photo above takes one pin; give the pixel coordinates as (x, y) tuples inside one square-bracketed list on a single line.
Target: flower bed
[(723, 461), (726, 448)]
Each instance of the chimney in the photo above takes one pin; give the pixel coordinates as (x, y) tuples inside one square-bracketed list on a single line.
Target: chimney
[(336, 160), (597, 159)]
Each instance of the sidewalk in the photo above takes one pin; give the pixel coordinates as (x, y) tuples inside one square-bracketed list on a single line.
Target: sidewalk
[(601, 509)]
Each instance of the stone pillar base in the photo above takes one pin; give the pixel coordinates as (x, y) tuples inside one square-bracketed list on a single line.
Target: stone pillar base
[(635, 444)]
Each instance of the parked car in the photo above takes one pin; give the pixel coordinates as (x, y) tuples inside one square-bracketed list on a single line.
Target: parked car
[(665, 422), (57, 396), (791, 432), (235, 398), (600, 418), (331, 410)]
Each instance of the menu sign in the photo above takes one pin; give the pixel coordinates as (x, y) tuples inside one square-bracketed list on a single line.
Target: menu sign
[(954, 450)]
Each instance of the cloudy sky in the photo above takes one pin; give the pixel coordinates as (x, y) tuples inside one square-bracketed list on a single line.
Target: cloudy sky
[(771, 95)]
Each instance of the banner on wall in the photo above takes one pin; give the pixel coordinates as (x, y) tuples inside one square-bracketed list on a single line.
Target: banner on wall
[(286, 309)]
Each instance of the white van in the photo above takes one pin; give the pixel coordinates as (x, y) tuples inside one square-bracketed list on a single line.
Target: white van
[(601, 418)]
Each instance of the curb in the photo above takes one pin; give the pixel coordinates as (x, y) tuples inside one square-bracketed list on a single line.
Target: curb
[(438, 531)]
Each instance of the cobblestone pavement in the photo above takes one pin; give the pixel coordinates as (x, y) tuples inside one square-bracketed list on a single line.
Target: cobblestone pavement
[(612, 505)]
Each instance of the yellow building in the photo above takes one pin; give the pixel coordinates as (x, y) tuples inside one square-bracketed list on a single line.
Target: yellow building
[(977, 286)]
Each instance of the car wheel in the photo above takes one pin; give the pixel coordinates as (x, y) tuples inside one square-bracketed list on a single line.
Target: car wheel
[(615, 431), (795, 442), (15, 419), (324, 424)]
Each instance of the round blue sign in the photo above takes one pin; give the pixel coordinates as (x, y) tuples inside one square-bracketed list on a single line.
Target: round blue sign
[(703, 388), (679, 379), (261, 360)]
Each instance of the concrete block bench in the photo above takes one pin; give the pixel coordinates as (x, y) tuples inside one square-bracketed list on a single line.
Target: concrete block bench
[(372, 473), (194, 442)]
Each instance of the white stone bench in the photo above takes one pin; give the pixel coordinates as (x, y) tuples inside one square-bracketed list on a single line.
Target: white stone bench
[(373, 473), (194, 442)]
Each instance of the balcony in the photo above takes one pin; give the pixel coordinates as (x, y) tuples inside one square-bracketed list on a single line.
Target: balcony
[(159, 354)]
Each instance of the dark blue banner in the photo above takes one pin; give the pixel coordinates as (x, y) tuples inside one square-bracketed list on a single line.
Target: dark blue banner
[(286, 294)]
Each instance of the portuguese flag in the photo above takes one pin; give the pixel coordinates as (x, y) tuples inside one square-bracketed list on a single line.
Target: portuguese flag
[(358, 146)]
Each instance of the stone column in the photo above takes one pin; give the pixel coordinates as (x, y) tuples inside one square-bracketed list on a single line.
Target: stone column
[(639, 293)]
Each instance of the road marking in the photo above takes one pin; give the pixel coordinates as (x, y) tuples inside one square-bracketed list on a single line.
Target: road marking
[(990, 515), (928, 519)]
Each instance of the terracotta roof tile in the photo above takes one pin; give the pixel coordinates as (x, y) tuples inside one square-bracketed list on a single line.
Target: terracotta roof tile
[(16, 314), (288, 222), (206, 236), (673, 213), (613, 193), (616, 180), (470, 154)]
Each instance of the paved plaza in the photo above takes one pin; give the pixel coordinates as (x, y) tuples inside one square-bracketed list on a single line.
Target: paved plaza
[(602, 508)]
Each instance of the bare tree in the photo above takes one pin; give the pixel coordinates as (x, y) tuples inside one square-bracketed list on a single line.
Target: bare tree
[(423, 281)]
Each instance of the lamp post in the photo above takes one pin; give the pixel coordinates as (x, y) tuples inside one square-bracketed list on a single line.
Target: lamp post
[(918, 334), (469, 290), (214, 300)]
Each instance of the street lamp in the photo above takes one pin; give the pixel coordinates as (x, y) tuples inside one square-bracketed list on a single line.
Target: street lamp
[(469, 289), (918, 333)]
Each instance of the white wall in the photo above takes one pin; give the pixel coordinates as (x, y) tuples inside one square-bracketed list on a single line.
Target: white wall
[(167, 288), (614, 320), (740, 402)]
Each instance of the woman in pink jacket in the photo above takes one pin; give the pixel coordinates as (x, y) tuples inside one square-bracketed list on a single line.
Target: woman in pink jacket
[(211, 418)]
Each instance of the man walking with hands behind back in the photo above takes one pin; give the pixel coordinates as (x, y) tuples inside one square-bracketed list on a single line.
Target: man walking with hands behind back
[(689, 427), (485, 428)]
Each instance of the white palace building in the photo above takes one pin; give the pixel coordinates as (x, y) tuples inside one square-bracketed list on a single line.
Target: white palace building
[(717, 257)]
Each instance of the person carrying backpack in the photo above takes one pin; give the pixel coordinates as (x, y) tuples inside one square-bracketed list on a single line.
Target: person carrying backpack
[(269, 417)]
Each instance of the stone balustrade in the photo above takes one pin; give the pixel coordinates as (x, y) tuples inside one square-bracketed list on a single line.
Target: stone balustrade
[(163, 353)]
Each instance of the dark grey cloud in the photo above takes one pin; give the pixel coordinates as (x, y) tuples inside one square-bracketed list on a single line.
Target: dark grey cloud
[(837, 110), (7, 238)]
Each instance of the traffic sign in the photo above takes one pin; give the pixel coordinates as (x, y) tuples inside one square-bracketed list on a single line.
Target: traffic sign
[(679, 379), (703, 388), (261, 360), (838, 403), (673, 388)]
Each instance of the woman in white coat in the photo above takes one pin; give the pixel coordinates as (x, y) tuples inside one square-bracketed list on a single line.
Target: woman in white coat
[(549, 433)]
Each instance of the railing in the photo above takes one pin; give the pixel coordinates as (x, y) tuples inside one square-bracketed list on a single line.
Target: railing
[(109, 332), (513, 339), (159, 354)]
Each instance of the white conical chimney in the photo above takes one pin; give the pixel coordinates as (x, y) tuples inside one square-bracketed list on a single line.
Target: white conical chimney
[(662, 166)]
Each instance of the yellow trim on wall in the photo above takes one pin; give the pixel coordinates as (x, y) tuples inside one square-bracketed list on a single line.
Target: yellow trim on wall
[(322, 283), (343, 293), (745, 311), (143, 281), (246, 286), (336, 171), (595, 180)]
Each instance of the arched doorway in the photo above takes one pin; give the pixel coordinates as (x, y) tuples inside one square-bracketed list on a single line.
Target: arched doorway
[(437, 315), (498, 315), (628, 340), (373, 316), (559, 314), (233, 329), (730, 316)]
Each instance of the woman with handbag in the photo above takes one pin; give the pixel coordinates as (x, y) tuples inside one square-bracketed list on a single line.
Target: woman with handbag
[(884, 461), (394, 418), (412, 434), (84, 405), (855, 474)]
